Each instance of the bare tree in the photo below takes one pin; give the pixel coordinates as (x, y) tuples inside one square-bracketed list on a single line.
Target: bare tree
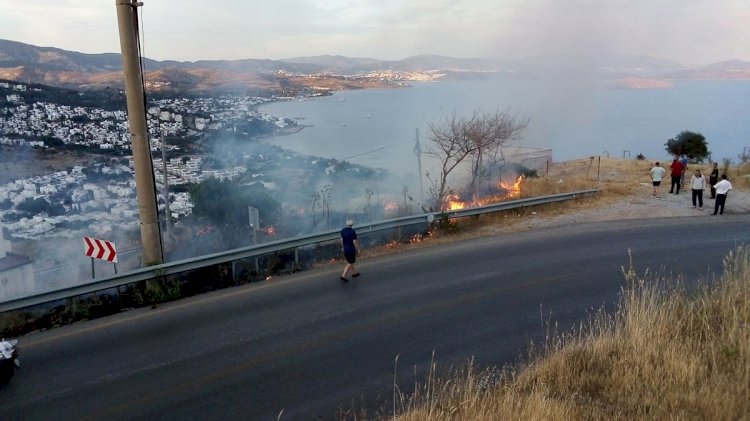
[(314, 199), (368, 203), (479, 138), (325, 198)]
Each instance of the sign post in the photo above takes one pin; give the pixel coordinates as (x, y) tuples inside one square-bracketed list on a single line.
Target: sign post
[(100, 249)]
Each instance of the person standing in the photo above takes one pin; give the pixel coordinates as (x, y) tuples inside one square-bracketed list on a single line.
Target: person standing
[(676, 174), (350, 248), (697, 185), (684, 162), (722, 189), (713, 178), (657, 173)]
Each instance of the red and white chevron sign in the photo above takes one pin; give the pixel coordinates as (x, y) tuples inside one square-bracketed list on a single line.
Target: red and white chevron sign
[(100, 249)]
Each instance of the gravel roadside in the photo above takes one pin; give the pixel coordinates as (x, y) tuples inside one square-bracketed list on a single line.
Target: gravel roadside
[(642, 204)]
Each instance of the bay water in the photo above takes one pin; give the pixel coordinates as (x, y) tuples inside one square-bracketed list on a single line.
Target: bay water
[(578, 119)]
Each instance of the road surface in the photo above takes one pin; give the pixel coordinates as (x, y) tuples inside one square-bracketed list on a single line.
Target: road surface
[(315, 347)]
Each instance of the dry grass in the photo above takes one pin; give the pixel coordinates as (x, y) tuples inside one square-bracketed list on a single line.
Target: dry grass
[(615, 178), (664, 354)]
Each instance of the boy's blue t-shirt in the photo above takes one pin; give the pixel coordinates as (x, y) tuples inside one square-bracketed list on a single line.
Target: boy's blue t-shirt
[(348, 235)]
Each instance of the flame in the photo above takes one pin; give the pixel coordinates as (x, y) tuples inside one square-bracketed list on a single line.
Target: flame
[(456, 205), (453, 202), (269, 230), (208, 229), (513, 190)]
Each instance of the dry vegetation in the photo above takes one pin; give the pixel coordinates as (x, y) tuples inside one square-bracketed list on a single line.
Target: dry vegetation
[(666, 353), (619, 181)]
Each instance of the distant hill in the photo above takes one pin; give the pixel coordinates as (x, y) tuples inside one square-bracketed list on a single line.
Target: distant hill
[(53, 66), (17, 54), (338, 63), (730, 66), (422, 63)]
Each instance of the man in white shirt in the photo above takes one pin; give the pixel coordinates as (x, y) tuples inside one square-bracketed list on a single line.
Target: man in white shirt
[(657, 173), (722, 189)]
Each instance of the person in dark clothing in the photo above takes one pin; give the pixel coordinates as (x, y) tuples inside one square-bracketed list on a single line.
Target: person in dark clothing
[(350, 248), (713, 178), (676, 174), (684, 161)]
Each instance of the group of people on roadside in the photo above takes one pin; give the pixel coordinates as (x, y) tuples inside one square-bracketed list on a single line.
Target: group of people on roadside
[(719, 188)]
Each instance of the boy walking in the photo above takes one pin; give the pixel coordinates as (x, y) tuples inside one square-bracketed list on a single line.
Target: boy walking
[(350, 247), (657, 173)]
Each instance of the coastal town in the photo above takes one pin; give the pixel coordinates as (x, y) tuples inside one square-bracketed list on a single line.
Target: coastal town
[(67, 172), (103, 194)]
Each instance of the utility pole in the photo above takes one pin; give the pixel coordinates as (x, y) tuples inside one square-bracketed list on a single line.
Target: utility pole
[(418, 152), (165, 192), (127, 12), (254, 216)]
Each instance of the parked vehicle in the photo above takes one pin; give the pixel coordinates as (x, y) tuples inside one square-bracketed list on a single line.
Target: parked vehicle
[(9, 361)]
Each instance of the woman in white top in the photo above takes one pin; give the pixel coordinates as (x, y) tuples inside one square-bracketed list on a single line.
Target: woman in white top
[(698, 184)]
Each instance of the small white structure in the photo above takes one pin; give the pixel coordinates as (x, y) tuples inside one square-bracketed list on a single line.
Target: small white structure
[(530, 157), (16, 273)]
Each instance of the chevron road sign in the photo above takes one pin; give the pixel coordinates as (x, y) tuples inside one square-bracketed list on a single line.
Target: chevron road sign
[(100, 249)]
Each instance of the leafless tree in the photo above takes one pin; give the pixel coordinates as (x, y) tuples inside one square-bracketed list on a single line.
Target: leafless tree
[(479, 138), (489, 133), (325, 198), (368, 203), (314, 204)]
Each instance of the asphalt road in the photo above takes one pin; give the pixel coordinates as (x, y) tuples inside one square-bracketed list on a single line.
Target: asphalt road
[(313, 346)]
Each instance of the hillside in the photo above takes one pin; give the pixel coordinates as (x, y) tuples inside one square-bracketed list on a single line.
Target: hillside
[(53, 66)]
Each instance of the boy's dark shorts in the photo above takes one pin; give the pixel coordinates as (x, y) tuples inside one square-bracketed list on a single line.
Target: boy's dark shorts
[(350, 257), (657, 183)]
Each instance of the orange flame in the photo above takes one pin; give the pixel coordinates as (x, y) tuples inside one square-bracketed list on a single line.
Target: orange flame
[(452, 202), (269, 230), (513, 190), (456, 205), (390, 206)]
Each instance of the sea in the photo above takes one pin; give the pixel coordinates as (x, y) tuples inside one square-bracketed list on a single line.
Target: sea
[(574, 119)]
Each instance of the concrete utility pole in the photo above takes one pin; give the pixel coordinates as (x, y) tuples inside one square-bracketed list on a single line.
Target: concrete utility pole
[(165, 192), (144, 172), (418, 152), (254, 216)]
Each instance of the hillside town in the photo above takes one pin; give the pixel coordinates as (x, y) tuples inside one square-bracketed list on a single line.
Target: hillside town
[(97, 196)]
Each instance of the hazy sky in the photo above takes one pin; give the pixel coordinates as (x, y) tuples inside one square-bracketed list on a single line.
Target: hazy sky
[(689, 31)]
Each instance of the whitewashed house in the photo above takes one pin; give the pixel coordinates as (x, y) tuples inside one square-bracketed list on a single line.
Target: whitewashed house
[(16, 273)]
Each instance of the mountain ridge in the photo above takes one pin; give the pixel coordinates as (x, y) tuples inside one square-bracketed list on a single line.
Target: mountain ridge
[(55, 66)]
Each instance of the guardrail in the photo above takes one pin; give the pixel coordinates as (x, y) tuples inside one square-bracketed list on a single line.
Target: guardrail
[(171, 268)]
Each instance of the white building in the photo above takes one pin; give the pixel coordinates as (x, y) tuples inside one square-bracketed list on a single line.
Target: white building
[(16, 273)]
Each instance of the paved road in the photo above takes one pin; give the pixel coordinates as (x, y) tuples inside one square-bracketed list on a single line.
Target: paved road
[(311, 345)]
